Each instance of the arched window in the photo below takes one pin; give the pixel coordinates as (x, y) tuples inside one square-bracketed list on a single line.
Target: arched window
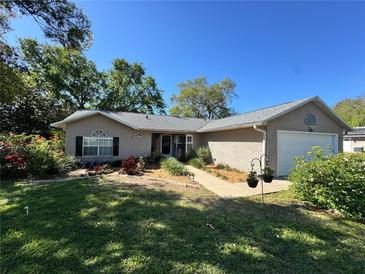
[(310, 121), (98, 144), (98, 133)]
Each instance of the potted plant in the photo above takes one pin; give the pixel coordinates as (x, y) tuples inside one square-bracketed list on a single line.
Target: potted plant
[(252, 179), (267, 174)]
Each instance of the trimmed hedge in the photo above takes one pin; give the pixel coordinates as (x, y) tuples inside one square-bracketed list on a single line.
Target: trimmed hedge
[(332, 182), (174, 167)]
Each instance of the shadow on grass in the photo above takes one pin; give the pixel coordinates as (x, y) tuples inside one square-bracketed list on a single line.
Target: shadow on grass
[(90, 227)]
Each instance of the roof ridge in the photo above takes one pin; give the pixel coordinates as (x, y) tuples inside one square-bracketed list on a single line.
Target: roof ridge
[(276, 105), (149, 114)]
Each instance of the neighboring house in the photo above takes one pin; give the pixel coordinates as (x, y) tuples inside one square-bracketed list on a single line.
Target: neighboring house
[(281, 131), (354, 141)]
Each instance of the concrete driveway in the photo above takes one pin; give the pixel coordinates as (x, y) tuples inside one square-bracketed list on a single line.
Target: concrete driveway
[(225, 189)]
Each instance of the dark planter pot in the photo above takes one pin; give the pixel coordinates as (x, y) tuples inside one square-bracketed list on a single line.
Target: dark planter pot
[(252, 182), (268, 179)]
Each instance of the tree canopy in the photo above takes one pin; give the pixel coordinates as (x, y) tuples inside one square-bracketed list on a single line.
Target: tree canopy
[(200, 100), (129, 89), (60, 20), (32, 110), (352, 110), (67, 72)]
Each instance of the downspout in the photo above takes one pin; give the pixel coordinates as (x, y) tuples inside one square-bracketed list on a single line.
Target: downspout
[(263, 142)]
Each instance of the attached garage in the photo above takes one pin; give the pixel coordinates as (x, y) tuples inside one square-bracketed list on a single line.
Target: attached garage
[(296, 143), (276, 134)]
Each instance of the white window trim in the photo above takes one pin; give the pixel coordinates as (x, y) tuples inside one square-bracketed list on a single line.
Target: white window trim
[(188, 143), (97, 146)]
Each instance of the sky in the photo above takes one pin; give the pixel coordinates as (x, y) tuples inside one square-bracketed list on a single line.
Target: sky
[(274, 51)]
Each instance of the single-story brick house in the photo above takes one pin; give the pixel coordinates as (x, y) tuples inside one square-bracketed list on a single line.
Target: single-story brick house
[(281, 132), (354, 141)]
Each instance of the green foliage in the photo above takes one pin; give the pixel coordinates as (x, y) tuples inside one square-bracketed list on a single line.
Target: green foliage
[(33, 156), (204, 154), (103, 225), (68, 74), (252, 175), (223, 166), (129, 89), (60, 20), (153, 158), (333, 182), (32, 110), (174, 167), (352, 111), (199, 99), (268, 171), (197, 162)]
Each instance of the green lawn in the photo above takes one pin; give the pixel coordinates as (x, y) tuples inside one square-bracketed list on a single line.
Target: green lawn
[(92, 227)]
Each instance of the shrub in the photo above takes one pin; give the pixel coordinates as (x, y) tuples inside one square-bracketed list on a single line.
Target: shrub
[(33, 156), (204, 154), (130, 166), (197, 162), (332, 182), (154, 158), (174, 167), (225, 167), (190, 155)]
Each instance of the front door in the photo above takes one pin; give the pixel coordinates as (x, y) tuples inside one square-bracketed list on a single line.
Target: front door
[(166, 145)]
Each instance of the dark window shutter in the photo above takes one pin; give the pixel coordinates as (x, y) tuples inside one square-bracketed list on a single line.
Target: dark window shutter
[(115, 146), (78, 145)]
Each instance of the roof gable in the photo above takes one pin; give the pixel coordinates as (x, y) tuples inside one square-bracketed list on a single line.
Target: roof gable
[(150, 122), (139, 121)]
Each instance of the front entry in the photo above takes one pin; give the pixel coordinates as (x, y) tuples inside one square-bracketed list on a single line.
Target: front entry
[(166, 145)]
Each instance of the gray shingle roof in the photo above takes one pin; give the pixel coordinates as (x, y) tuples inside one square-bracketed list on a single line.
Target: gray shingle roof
[(150, 122), (252, 117), (141, 121), (358, 132)]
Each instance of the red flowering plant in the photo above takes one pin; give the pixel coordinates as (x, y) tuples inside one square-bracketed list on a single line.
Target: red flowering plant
[(130, 166), (32, 156), (12, 158)]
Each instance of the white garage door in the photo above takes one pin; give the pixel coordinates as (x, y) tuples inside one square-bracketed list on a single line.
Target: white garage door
[(292, 144)]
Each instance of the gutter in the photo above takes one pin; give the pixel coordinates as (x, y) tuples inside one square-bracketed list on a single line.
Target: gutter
[(202, 130), (263, 142)]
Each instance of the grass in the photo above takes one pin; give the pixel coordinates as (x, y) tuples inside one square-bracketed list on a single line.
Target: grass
[(95, 226)]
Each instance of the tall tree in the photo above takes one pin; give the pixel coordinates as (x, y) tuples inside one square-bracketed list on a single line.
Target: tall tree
[(32, 110), (67, 73), (60, 20), (200, 100), (352, 110), (129, 89)]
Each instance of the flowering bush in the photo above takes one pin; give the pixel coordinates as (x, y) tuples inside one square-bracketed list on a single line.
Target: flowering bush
[(33, 156), (130, 166), (333, 182)]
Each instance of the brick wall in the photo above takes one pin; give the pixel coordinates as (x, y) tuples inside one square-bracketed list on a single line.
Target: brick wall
[(235, 148)]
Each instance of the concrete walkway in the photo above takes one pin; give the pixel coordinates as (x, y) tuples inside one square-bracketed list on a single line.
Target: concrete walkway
[(225, 189)]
